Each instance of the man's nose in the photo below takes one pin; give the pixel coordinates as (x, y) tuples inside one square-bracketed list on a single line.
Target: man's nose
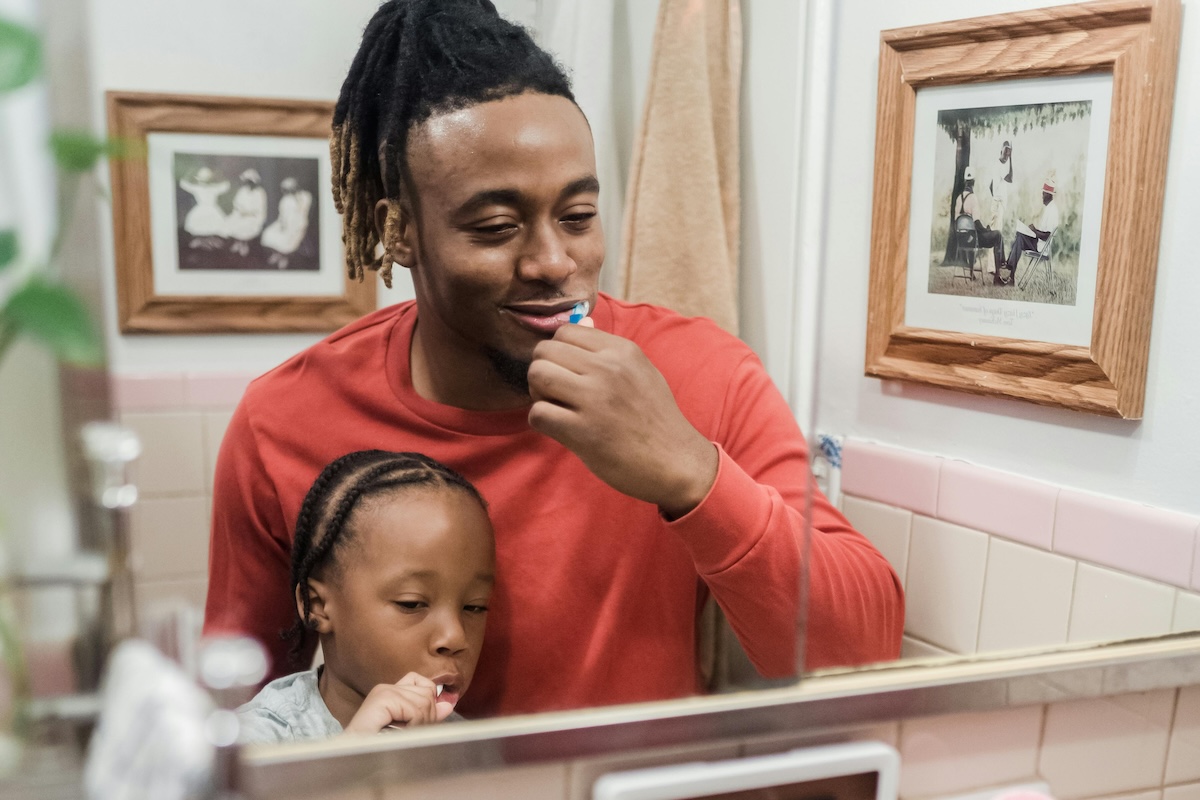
[(545, 257)]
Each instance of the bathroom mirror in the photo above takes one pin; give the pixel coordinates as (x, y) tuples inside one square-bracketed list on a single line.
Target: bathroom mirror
[(807, 110)]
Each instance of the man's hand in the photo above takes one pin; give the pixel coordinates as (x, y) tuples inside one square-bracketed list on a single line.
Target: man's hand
[(410, 701), (600, 397)]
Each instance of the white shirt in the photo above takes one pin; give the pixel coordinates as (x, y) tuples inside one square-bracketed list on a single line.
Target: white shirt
[(1048, 222), (999, 191)]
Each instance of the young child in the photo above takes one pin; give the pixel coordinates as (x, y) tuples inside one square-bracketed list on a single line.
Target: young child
[(392, 568)]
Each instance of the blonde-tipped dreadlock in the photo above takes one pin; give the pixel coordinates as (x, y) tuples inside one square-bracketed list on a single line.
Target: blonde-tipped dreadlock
[(419, 58)]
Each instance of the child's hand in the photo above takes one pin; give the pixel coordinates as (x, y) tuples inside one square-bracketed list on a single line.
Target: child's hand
[(410, 701)]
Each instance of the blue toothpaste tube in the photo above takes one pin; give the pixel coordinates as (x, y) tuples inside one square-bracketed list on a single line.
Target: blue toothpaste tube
[(578, 311)]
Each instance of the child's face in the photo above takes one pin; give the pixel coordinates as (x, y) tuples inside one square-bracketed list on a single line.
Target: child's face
[(411, 591)]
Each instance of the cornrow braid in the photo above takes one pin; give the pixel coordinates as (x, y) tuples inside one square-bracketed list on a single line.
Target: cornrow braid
[(322, 524), (419, 58)]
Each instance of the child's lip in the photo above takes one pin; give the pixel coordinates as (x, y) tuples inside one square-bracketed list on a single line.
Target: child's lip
[(448, 680)]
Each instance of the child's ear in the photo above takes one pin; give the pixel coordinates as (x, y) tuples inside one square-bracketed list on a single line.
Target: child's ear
[(318, 608)]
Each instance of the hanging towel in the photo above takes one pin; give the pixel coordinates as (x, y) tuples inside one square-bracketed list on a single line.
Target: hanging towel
[(682, 212)]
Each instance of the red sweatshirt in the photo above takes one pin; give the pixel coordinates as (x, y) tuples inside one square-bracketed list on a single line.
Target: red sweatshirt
[(597, 594)]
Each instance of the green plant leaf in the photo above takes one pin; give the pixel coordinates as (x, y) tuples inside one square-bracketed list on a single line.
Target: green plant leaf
[(52, 314), (8, 247), (20, 55), (78, 151)]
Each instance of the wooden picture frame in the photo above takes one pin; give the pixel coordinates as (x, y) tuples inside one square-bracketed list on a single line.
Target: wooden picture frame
[(1136, 42), (227, 225)]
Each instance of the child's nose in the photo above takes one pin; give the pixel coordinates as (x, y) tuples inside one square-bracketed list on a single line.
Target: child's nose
[(449, 635)]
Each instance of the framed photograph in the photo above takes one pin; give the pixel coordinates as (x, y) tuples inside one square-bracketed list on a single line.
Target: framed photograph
[(228, 224), (1020, 161)]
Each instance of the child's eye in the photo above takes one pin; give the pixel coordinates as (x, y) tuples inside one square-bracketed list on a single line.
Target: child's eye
[(476, 609), (411, 605)]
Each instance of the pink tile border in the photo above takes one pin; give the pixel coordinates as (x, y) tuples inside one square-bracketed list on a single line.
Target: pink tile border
[(1137, 539), (1196, 562), (179, 391), (216, 389), (133, 392), (889, 475), (1017, 508)]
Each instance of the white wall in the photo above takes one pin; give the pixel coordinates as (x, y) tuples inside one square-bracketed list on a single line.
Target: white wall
[(265, 48), (282, 48), (1156, 460), (773, 47)]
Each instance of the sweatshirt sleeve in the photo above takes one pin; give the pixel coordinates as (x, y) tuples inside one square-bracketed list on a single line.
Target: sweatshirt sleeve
[(249, 569), (747, 538)]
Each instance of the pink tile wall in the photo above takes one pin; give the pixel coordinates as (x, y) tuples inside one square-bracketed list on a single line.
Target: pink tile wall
[(132, 393), (887, 475), (1141, 540), (179, 390), (1135, 538), (1007, 505), (181, 418)]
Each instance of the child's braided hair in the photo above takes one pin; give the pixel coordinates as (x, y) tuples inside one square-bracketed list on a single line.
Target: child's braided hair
[(322, 526)]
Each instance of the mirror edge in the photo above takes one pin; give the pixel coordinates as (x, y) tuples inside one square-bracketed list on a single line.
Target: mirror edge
[(819, 706)]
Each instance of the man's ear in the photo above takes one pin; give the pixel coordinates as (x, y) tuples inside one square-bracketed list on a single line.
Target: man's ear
[(319, 619), (397, 231)]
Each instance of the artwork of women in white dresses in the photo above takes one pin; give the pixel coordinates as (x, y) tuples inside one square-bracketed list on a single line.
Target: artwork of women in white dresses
[(240, 237)]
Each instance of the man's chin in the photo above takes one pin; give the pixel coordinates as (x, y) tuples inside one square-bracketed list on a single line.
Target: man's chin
[(512, 370)]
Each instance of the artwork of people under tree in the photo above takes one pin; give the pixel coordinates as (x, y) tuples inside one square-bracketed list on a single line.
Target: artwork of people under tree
[(246, 212), (1008, 189)]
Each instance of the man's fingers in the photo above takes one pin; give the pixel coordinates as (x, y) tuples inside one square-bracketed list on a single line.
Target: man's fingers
[(552, 419), (555, 383), (564, 354), (586, 336)]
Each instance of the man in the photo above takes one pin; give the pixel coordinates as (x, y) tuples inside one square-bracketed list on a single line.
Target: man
[(1035, 237), (968, 204), (999, 187), (631, 468)]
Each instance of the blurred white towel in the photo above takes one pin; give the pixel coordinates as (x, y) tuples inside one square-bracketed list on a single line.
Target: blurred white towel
[(151, 741)]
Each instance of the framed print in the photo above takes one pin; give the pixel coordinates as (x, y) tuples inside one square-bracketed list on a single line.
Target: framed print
[(228, 224), (1020, 162)]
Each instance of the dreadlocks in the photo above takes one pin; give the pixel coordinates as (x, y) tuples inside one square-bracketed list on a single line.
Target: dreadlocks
[(322, 527), (419, 58)]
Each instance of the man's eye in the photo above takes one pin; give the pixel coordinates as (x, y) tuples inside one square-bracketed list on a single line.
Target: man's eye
[(500, 229), (581, 220)]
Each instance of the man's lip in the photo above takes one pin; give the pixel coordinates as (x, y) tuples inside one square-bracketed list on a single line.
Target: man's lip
[(542, 309)]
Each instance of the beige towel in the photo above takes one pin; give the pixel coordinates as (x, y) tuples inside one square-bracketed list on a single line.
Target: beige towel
[(681, 218)]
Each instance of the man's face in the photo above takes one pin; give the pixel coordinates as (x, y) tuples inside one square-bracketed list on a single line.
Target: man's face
[(1046, 198), (506, 235), (1005, 152)]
